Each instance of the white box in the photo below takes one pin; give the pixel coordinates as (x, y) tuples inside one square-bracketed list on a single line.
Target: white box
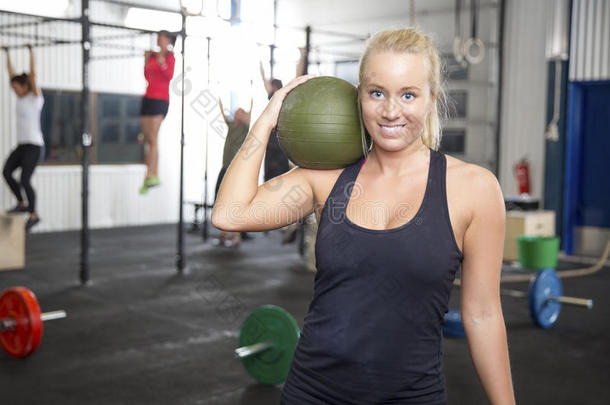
[(12, 241)]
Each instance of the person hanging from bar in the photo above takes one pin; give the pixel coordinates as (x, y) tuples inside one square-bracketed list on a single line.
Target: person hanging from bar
[(276, 162), (158, 71), (237, 130), (30, 142)]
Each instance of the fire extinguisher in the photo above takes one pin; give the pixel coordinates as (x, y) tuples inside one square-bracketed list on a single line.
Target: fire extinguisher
[(522, 172)]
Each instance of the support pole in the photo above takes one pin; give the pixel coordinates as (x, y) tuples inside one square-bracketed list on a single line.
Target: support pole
[(204, 224), (307, 49), (180, 260), (272, 46), (85, 144)]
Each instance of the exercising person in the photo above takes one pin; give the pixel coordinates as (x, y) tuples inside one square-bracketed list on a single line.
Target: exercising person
[(237, 130), (158, 71), (276, 162), (30, 141), (388, 251)]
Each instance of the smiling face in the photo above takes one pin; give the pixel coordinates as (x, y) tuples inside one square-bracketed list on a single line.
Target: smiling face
[(395, 97)]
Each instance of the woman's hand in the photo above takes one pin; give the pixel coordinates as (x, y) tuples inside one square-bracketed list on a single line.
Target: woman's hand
[(147, 55), (272, 112)]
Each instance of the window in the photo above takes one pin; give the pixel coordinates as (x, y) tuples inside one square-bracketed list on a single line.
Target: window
[(61, 126), (458, 100), (115, 126), (453, 141), (455, 70)]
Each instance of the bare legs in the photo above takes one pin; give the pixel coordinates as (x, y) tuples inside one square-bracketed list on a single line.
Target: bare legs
[(150, 127)]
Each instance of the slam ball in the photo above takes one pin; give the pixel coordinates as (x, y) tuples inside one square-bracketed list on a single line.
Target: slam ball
[(318, 126)]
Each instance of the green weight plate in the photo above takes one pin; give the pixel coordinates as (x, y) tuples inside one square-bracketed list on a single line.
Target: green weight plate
[(276, 325)]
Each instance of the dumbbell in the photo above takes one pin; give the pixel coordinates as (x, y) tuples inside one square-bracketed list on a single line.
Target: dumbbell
[(21, 321), (545, 298), (267, 341)]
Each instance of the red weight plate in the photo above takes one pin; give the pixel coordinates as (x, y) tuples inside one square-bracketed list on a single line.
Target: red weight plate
[(20, 304)]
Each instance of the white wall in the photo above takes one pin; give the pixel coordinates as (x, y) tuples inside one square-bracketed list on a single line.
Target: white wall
[(590, 50), (523, 93)]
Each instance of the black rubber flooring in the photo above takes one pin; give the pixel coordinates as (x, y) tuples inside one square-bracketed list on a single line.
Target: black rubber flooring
[(141, 334)]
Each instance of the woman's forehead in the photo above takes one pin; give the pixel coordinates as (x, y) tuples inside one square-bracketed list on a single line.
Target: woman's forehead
[(407, 69)]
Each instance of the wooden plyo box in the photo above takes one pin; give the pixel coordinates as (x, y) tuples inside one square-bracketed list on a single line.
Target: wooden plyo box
[(12, 241), (529, 223)]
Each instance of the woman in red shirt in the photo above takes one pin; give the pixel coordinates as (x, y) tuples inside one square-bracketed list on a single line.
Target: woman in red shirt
[(158, 71)]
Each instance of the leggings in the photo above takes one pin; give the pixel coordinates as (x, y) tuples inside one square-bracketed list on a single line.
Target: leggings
[(25, 156)]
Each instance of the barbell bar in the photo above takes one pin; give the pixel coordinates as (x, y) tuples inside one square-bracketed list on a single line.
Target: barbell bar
[(579, 302), (545, 299)]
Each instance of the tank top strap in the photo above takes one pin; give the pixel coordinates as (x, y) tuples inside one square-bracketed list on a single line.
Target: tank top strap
[(345, 183), (436, 199)]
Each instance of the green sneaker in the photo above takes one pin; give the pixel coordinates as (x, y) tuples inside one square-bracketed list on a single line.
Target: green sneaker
[(144, 188), (152, 181)]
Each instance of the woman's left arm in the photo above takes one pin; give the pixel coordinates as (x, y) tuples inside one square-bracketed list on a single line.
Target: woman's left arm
[(166, 64), (480, 296), (33, 81)]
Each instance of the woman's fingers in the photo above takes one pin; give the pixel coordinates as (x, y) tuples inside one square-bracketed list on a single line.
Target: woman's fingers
[(294, 83), (272, 111)]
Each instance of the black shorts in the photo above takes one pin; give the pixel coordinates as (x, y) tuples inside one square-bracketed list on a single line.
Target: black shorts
[(152, 106)]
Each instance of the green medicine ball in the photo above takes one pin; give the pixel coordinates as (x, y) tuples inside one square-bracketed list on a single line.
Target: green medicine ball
[(318, 126)]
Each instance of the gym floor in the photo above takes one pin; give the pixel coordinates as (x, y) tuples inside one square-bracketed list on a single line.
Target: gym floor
[(140, 334)]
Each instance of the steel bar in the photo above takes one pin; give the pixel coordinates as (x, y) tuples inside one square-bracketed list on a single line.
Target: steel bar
[(121, 27), (247, 351), (85, 144), (66, 19), (139, 5)]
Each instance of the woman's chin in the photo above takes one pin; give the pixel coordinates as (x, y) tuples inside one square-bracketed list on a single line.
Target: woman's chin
[(394, 144)]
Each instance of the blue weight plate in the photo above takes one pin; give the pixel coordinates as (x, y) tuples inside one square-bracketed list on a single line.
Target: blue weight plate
[(453, 326), (543, 311)]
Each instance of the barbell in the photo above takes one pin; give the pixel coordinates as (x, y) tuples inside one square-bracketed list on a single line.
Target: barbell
[(268, 339), (545, 299), (21, 321)]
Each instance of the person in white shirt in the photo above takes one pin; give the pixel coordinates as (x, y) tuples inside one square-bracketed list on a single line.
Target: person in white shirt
[(29, 138)]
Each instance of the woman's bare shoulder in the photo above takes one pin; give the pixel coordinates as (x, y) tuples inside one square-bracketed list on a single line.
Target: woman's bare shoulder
[(320, 179), (321, 182), (464, 174)]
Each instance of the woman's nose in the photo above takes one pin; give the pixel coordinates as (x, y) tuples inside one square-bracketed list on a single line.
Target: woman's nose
[(389, 109)]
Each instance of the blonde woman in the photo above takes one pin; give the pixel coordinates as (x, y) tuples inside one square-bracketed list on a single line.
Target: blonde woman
[(393, 230)]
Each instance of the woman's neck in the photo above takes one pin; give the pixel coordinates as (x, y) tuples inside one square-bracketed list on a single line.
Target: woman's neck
[(398, 163)]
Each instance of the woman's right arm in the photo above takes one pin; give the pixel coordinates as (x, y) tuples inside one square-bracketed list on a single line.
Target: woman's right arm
[(243, 205), (9, 65), (266, 81)]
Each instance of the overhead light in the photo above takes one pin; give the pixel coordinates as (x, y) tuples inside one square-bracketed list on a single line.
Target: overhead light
[(47, 8), (153, 20)]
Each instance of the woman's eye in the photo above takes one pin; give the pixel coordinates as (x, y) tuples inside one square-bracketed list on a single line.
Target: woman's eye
[(376, 94), (408, 96)]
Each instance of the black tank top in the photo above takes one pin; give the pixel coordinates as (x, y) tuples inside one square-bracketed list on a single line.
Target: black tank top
[(373, 331)]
